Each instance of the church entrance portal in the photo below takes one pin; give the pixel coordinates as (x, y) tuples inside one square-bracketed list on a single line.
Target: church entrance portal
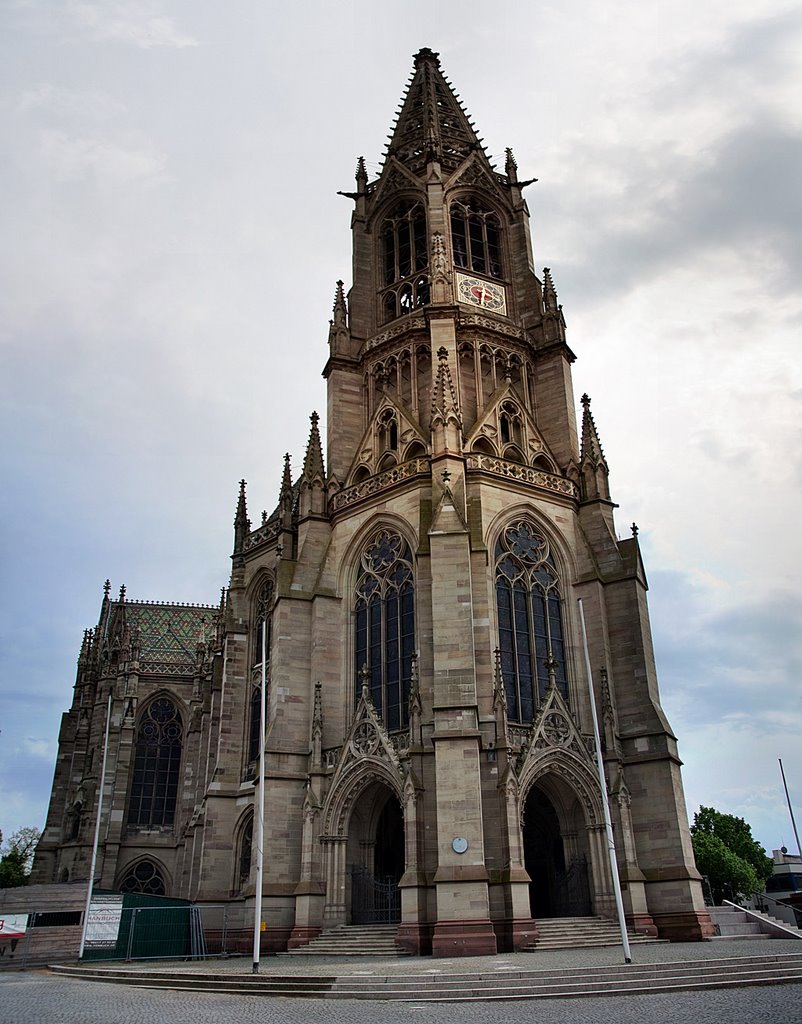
[(376, 858), (558, 871)]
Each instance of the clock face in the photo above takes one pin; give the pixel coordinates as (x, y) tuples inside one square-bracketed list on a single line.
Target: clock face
[(482, 293)]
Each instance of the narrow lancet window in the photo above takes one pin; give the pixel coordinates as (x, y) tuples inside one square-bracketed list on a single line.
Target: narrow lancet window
[(528, 602), (384, 621)]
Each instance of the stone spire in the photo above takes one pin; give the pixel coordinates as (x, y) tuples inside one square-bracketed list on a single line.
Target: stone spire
[(361, 176), (592, 463), (431, 123), (340, 310), (549, 292), (446, 417), (313, 460), (242, 524), (339, 335), (313, 477), (285, 494)]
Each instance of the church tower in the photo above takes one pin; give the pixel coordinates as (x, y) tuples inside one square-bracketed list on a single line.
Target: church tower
[(411, 604)]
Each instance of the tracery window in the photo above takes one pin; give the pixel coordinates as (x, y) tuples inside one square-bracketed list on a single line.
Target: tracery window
[(528, 602), (384, 620), (144, 878), (262, 640), (157, 765), (245, 854), (476, 237), (405, 253)]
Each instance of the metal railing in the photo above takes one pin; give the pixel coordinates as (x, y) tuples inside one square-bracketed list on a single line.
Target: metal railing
[(785, 912)]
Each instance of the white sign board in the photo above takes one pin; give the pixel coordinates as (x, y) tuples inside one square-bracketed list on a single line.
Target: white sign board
[(103, 927)]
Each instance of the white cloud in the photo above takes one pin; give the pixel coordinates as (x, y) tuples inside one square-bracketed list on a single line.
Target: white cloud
[(140, 23), (104, 162)]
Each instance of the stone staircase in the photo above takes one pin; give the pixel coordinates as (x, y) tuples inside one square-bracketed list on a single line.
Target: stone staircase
[(452, 986), (734, 923), (580, 932), (353, 940)]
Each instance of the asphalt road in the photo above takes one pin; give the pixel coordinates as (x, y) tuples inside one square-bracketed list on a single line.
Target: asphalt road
[(34, 997)]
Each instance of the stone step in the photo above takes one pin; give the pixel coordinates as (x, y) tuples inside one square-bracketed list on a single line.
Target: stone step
[(581, 932), (353, 940), (488, 985)]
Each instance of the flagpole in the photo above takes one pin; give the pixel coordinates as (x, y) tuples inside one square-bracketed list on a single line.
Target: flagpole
[(91, 885), (260, 810), (790, 809), (608, 825)]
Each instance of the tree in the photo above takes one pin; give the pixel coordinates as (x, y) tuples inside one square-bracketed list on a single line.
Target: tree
[(726, 851), (17, 857)]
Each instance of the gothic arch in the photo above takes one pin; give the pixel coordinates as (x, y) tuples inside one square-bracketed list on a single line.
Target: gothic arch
[(145, 874), (243, 843), (415, 450), (349, 563), (563, 556), (556, 768), (347, 789)]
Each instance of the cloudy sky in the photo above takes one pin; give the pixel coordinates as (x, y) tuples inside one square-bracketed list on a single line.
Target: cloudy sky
[(171, 240)]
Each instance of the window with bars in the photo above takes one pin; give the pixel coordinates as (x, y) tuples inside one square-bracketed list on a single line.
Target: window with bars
[(157, 766), (528, 602), (384, 621), (476, 238), (404, 254)]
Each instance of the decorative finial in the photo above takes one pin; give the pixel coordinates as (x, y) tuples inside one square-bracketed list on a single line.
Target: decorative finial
[(361, 175), (585, 401), (551, 667), (107, 588), (340, 309), (122, 593), (635, 530), (446, 477)]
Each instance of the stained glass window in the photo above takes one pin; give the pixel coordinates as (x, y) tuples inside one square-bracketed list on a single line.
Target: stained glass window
[(245, 853), (528, 601), (157, 765), (384, 614), (262, 633), (145, 878)]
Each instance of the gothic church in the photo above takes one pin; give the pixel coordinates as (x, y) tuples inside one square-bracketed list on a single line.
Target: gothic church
[(412, 606)]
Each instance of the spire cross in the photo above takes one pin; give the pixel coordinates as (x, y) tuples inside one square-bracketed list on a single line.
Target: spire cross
[(635, 530)]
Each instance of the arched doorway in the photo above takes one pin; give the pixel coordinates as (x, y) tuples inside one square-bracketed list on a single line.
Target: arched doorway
[(556, 857), (376, 857)]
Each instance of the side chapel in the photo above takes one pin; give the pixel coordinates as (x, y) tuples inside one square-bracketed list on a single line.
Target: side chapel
[(429, 751)]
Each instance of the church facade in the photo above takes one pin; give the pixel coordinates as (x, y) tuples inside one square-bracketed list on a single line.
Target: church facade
[(411, 605)]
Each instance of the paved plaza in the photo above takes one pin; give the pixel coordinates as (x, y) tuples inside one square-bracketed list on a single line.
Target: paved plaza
[(37, 998), (33, 997)]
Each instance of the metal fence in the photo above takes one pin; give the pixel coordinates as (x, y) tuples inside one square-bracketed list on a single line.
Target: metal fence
[(189, 932)]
